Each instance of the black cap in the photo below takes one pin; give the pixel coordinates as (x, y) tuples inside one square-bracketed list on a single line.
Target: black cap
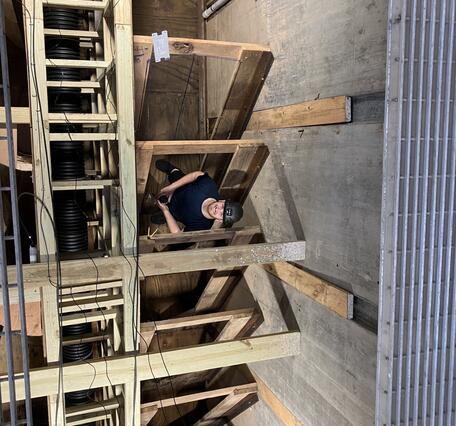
[(232, 213)]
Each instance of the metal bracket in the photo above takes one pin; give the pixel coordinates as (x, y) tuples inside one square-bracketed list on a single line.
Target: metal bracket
[(161, 46)]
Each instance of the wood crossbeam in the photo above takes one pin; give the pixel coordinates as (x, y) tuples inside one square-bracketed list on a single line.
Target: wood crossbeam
[(118, 369)]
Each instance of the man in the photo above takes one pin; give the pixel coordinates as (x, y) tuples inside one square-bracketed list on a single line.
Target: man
[(193, 199)]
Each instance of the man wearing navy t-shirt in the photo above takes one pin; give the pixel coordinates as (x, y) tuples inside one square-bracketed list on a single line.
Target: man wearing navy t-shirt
[(193, 199)]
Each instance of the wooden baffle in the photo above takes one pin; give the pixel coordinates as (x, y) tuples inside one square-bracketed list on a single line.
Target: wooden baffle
[(170, 365)]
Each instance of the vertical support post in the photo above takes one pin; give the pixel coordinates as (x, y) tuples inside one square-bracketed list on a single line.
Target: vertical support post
[(36, 69), (123, 35)]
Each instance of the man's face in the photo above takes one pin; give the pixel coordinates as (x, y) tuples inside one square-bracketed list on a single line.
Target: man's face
[(216, 209)]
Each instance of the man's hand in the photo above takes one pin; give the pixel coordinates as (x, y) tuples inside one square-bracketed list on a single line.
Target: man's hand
[(167, 192), (163, 207)]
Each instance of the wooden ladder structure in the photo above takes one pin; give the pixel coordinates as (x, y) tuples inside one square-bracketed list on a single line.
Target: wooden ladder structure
[(108, 130)]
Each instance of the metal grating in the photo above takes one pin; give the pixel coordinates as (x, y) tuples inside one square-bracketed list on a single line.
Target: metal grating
[(417, 313)]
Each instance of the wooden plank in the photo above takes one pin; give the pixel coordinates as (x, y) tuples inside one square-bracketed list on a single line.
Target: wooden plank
[(275, 404), (123, 35), (76, 63), (318, 112), (247, 82), (71, 33), (36, 70), (93, 303), (20, 115), (323, 292), (147, 244), (85, 338), (147, 414), (77, 4), (211, 295), (242, 172), (195, 147), (233, 318), (82, 118), (85, 419), (76, 84), (222, 408), (199, 396), (110, 269), (74, 289), (69, 137), (234, 327), (81, 185), (92, 407), (208, 48), (87, 317), (118, 369), (245, 88)]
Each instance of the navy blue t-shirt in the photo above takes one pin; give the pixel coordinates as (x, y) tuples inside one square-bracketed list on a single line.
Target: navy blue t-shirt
[(186, 202)]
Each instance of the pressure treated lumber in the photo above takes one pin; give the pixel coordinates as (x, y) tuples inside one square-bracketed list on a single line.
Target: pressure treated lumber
[(236, 320), (221, 410), (119, 369), (275, 404), (222, 146), (198, 47), (83, 272), (147, 244), (334, 298), (19, 115), (199, 396), (334, 110)]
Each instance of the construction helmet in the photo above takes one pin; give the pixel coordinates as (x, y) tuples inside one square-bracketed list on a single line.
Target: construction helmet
[(232, 213)]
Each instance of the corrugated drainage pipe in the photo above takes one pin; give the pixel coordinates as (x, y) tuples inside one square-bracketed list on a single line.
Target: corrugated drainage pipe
[(212, 9)]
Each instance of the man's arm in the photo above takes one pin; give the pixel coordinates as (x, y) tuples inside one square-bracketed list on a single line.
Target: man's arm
[(185, 180), (170, 221)]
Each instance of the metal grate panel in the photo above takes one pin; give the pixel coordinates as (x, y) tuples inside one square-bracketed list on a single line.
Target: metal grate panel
[(417, 316)]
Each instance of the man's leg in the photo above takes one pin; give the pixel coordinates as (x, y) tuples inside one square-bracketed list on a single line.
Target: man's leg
[(173, 172)]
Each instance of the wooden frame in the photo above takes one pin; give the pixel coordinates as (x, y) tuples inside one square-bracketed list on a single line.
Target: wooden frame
[(149, 409), (235, 323), (248, 157), (148, 243), (117, 370)]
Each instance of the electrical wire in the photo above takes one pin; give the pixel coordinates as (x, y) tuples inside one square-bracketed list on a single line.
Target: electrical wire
[(57, 284)]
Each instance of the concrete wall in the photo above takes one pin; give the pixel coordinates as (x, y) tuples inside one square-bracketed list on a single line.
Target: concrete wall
[(321, 184)]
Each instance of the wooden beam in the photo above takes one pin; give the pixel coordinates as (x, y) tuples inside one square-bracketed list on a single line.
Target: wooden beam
[(236, 320), (221, 410), (247, 82), (119, 369), (318, 112), (274, 403), (81, 272), (198, 47), (196, 146), (20, 115), (147, 244), (217, 284), (323, 292), (199, 396), (246, 85), (242, 171)]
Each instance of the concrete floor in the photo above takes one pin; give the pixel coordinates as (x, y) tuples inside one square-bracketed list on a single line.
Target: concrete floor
[(321, 184)]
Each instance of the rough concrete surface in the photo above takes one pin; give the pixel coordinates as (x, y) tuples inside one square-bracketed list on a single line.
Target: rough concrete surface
[(321, 184)]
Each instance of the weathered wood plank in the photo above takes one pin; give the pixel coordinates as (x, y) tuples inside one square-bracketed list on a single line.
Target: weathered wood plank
[(275, 404), (114, 268), (118, 369), (318, 112), (323, 292), (195, 146), (20, 115), (221, 410), (208, 48), (147, 244)]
